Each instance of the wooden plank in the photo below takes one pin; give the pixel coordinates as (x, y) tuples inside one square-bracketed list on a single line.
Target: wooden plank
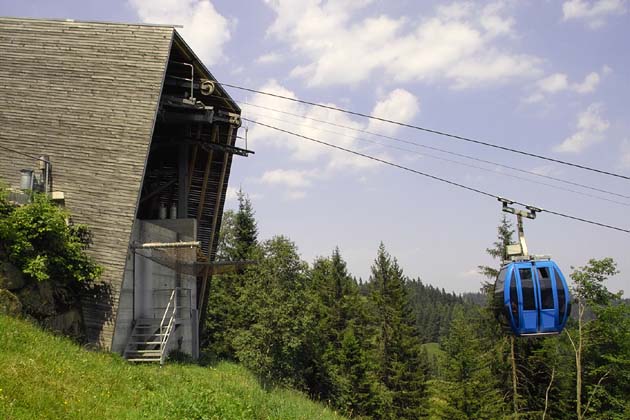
[(157, 191), (193, 160), (213, 228), (206, 174), (215, 217), (99, 87), (202, 301), (191, 168)]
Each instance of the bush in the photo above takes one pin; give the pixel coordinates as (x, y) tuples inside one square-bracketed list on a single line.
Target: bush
[(49, 251)]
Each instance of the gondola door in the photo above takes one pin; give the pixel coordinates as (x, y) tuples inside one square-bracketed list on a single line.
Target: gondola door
[(547, 301), (529, 301)]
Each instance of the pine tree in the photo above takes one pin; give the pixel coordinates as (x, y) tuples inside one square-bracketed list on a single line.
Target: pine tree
[(335, 304), (238, 240), (474, 391), (505, 232), (246, 229), (343, 369), (361, 392), (402, 366)]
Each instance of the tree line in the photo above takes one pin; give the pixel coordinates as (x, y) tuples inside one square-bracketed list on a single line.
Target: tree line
[(391, 347)]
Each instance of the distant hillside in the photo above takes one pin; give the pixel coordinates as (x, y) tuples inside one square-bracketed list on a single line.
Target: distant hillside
[(48, 377), (475, 298), (432, 308)]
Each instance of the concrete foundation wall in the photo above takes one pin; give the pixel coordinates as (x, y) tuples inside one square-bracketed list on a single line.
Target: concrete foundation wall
[(153, 285)]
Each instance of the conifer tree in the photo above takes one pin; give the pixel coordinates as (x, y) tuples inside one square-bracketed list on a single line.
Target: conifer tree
[(245, 229), (505, 231), (402, 365), (474, 391), (343, 370), (362, 393), (238, 241)]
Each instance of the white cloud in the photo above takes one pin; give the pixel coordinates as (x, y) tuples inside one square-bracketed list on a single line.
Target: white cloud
[(205, 30), (295, 195), (594, 13), (554, 83), (301, 149), (287, 177), (400, 105), (492, 67), (231, 194), (269, 58), (559, 82), (470, 273), (317, 161), (589, 84), (238, 70), (494, 22), (457, 44), (591, 127)]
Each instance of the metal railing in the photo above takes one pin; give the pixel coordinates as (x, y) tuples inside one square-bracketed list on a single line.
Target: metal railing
[(184, 307), (167, 324)]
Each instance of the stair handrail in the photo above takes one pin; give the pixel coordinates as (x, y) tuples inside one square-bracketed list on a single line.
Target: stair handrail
[(165, 330)]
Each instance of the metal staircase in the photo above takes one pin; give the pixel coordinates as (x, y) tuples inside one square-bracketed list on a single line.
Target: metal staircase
[(150, 337)]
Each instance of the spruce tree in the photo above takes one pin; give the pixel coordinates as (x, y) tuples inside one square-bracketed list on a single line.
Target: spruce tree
[(238, 241), (342, 370), (246, 229), (474, 391), (505, 231), (402, 366)]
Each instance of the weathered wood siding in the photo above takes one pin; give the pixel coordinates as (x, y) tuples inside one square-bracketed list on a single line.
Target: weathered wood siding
[(85, 94)]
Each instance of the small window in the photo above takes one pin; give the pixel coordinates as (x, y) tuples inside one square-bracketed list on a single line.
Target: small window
[(499, 287), (527, 288), (562, 305), (546, 292), (514, 300)]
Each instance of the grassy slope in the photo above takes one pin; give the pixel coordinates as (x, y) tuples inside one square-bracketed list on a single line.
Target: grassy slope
[(44, 376)]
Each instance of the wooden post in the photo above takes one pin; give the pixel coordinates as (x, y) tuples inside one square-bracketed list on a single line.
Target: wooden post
[(193, 160), (191, 167), (215, 217), (182, 179), (204, 185)]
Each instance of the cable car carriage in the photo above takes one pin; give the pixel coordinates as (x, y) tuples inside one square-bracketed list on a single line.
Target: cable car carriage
[(530, 294)]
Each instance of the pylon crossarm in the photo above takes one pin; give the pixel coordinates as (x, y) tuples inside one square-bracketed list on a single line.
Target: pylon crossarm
[(518, 250)]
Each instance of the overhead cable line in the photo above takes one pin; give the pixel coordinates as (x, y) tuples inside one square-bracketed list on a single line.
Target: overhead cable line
[(465, 156), (449, 160), (17, 152), (437, 178), (455, 161), (428, 130)]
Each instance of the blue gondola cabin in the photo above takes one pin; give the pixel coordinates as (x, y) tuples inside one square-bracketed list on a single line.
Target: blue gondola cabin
[(532, 297)]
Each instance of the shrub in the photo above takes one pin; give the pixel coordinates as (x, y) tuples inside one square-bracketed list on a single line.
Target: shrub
[(39, 241)]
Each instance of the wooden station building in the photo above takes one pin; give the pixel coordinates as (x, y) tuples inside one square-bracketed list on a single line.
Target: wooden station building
[(136, 138)]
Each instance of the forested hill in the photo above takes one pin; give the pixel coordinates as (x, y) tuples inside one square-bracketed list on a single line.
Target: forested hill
[(433, 309), (475, 298), (396, 348)]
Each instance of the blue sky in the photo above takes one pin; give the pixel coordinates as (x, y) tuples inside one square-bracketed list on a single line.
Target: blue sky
[(549, 77)]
